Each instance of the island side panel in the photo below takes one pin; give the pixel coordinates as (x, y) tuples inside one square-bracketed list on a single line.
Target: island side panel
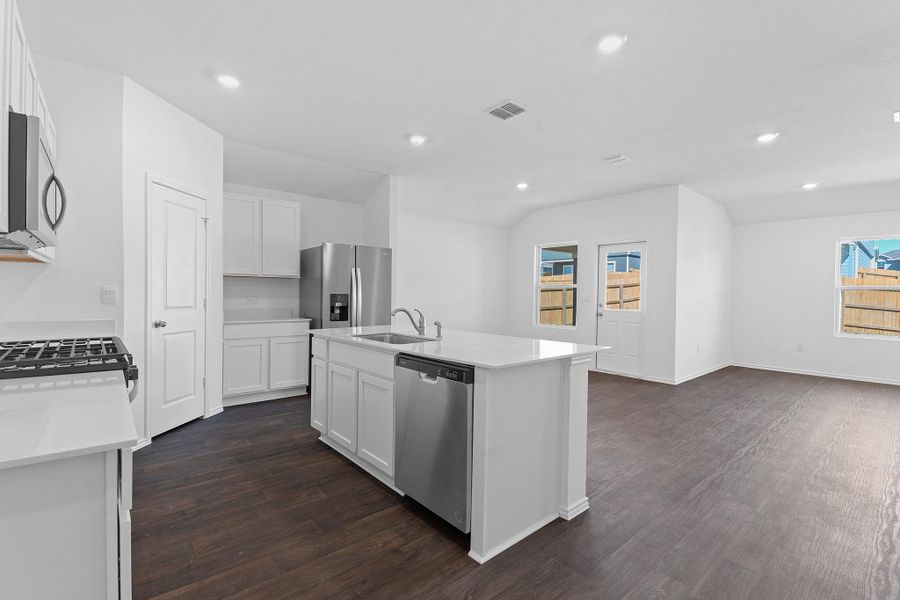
[(516, 470), (573, 476)]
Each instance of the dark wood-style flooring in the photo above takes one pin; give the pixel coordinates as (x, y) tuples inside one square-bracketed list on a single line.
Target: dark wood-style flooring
[(742, 484)]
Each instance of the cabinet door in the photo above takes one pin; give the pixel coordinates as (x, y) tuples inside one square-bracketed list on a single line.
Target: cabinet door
[(342, 410), (288, 361), (246, 365), (376, 422), (240, 230), (318, 397), (31, 84), (280, 238), (15, 62)]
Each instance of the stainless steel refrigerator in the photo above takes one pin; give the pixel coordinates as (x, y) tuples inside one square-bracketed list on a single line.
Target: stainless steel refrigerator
[(342, 285)]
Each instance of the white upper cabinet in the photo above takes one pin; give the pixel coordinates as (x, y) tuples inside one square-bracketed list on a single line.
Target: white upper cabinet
[(16, 59), (21, 90), (280, 238), (241, 236), (262, 237)]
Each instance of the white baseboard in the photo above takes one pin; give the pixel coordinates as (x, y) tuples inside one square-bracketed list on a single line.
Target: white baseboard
[(263, 396), (669, 380), (214, 412), (817, 373), (141, 444), (483, 558), (570, 512)]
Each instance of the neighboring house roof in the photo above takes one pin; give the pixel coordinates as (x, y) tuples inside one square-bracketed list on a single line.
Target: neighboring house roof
[(892, 255)]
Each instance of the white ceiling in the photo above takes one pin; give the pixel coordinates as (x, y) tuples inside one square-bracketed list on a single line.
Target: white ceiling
[(344, 81), (261, 167)]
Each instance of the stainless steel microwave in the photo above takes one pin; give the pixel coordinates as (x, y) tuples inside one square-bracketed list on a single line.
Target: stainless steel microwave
[(36, 198)]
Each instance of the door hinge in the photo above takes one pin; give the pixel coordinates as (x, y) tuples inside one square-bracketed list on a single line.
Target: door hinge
[(205, 222), (204, 383), (204, 304)]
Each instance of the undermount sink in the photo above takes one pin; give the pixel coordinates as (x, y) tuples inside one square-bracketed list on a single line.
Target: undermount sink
[(394, 338)]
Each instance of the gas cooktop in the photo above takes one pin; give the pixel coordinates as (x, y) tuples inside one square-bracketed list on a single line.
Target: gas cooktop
[(34, 358)]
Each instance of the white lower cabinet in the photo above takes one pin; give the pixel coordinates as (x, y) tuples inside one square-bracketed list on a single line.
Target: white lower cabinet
[(319, 400), (288, 362), (246, 365), (376, 421), (265, 361), (353, 406), (342, 406)]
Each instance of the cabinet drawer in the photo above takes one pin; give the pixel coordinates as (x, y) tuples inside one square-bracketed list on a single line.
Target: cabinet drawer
[(237, 331), (319, 348), (377, 363)]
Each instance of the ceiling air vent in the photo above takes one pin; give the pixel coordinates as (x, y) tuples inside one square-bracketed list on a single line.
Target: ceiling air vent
[(616, 159), (506, 110)]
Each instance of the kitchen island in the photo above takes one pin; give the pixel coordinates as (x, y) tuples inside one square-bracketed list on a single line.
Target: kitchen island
[(529, 420)]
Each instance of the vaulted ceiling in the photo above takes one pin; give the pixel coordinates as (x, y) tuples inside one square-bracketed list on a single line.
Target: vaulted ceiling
[(345, 82)]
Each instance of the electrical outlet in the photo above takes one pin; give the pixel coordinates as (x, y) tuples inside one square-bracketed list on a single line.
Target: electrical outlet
[(698, 348), (109, 294), (800, 348)]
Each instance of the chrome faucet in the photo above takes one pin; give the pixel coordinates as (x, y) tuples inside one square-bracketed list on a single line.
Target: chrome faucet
[(439, 328), (421, 326)]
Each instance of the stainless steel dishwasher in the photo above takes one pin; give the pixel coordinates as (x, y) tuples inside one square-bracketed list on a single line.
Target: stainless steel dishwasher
[(433, 442)]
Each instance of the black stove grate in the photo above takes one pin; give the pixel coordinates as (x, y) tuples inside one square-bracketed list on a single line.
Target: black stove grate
[(31, 358)]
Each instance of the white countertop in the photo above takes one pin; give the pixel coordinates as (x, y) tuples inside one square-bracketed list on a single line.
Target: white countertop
[(61, 416), (467, 347), (268, 320)]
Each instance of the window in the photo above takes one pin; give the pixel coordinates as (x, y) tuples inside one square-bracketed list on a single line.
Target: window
[(623, 279), (557, 284), (868, 295)]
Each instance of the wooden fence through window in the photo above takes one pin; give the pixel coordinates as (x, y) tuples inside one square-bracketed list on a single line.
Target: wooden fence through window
[(557, 305), (871, 312)]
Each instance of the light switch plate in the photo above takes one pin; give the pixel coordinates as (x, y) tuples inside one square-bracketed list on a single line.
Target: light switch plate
[(897, 117), (109, 294)]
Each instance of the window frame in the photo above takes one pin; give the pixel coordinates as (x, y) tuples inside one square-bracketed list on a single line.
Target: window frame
[(538, 286), (840, 288)]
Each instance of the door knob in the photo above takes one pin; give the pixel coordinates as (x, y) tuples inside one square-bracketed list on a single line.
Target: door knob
[(599, 314), (158, 323)]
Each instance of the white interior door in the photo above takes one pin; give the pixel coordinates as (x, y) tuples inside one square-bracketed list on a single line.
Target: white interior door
[(621, 301), (176, 310)]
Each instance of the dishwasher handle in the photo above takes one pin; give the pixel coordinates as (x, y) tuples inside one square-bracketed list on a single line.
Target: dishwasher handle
[(431, 370)]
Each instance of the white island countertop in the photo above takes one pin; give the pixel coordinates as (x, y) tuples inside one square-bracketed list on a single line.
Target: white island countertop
[(485, 350), (61, 416)]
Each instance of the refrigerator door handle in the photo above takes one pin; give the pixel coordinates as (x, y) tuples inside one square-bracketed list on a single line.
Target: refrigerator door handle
[(357, 306), (353, 291)]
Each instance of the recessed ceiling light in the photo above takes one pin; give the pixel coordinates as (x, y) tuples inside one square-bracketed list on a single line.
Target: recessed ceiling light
[(522, 185), (228, 81), (768, 137), (810, 186), (417, 139), (612, 43)]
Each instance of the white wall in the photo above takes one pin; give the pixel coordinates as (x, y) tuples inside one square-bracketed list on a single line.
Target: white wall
[(649, 216), (454, 272), (380, 215), (784, 295), (160, 139), (322, 220), (703, 286), (86, 104)]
